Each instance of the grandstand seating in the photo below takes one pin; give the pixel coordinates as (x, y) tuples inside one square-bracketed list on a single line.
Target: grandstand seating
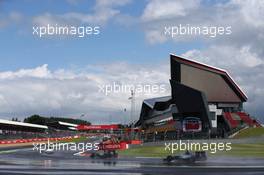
[(230, 120), (235, 119), (248, 120), (11, 135)]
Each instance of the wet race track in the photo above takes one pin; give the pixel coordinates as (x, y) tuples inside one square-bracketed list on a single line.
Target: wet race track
[(27, 161)]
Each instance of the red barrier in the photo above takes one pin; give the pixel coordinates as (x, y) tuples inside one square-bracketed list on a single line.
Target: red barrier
[(134, 142), (119, 146), (97, 127), (113, 146), (35, 140)]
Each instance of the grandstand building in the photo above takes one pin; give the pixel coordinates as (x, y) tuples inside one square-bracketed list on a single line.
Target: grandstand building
[(20, 130), (204, 101), (14, 130), (58, 125)]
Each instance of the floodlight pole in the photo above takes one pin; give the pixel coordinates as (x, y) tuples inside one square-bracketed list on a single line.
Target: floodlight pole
[(132, 110), (132, 105)]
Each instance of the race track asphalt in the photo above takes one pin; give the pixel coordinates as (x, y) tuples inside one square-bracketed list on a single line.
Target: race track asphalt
[(27, 161)]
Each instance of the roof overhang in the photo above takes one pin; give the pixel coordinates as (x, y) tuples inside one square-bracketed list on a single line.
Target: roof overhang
[(21, 124), (213, 69), (67, 124)]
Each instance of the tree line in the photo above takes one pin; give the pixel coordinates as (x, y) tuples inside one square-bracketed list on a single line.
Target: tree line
[(41, 120)]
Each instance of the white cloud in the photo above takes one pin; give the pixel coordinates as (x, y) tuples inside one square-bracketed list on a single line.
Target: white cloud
[(244, 17), (229, 57), (252, 11), (38, 72), (103, 11), (158, 10), (68, 93), (111, 3), (155, 37)]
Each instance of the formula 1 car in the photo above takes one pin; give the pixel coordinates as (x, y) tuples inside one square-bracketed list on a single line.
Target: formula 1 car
[(49, 150), (104, 155), (109, 145), (187, 158)]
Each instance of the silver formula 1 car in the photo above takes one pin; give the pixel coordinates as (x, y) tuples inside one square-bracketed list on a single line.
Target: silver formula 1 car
[(186, 158)]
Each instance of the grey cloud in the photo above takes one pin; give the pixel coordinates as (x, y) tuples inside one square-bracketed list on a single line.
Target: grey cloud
[(241, 53), (67, 93), (245, 67)]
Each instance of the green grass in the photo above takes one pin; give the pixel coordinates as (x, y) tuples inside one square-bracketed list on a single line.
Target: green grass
[(7, 151), (80, 139), (250, 132), (248, 150), (145, 151), (240, 150), (75, 140)]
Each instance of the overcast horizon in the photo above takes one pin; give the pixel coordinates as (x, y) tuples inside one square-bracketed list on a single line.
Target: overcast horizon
[(61, 75)]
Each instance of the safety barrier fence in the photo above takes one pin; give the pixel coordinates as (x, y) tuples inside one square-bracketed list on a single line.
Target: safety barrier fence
[(17, 141)]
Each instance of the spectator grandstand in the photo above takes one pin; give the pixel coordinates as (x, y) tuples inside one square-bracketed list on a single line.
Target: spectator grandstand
[(10, 130), (205, 94)]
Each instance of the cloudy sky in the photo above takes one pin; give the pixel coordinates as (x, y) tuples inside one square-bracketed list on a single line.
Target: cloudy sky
[(60, 76)]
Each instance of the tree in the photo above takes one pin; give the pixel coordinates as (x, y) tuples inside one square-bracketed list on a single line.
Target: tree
[(37, 119)]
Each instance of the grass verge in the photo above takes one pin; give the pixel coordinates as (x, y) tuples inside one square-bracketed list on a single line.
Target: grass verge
[(250, 132), (238, 150)]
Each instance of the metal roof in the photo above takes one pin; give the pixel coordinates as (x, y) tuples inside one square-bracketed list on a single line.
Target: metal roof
[(151, 101), (67, 124), (15, 123), (203, 66)]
